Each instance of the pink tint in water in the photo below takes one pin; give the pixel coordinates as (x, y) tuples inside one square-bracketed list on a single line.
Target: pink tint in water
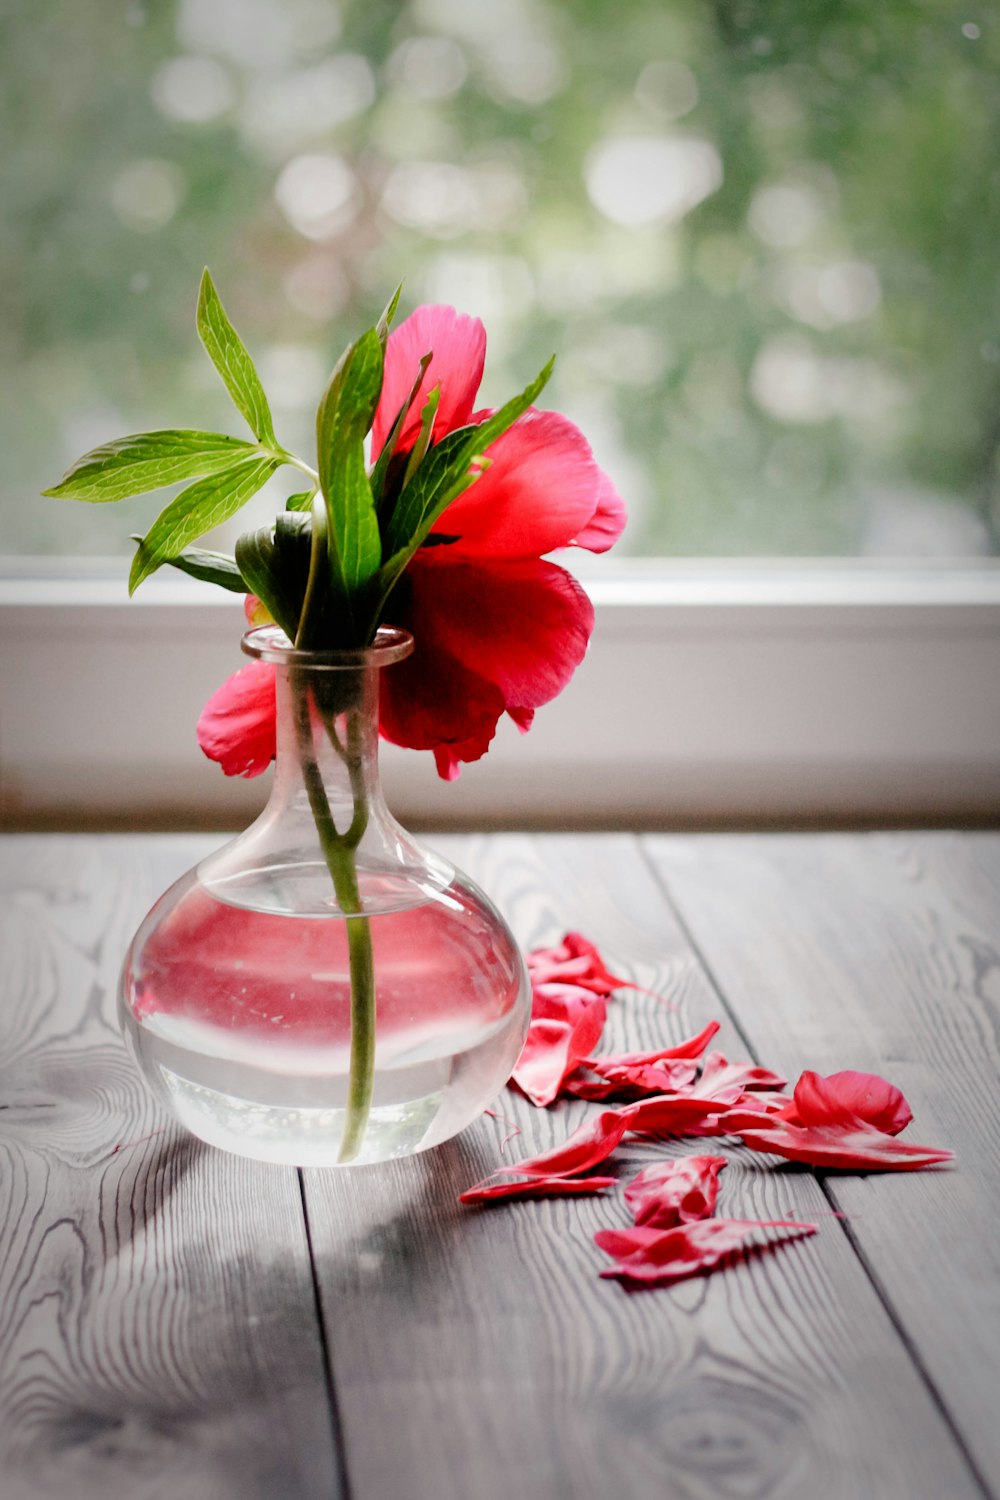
[(283, 979), (240, 1018)]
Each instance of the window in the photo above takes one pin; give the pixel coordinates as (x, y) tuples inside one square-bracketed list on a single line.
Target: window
[(761, 238)]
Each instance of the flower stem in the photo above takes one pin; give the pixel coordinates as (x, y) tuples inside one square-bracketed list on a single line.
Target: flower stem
[(340, 854)]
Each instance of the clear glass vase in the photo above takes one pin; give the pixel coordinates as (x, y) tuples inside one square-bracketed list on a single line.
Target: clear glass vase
[(324, 990)]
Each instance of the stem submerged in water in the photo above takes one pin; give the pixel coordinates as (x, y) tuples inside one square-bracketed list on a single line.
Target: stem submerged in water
[(340, 853)]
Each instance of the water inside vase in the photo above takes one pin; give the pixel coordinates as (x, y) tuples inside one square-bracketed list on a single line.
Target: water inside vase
[(241, 1017)]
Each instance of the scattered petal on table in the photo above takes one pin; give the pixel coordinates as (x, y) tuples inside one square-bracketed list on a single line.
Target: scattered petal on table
[(629, 1080), (765, 1101), (552, 1049), (632, 1074), (844, 1097), (585, 1148), (565, 1002), (683, 1052), (535, 1187), (680, 1114), (669, 1193), (654, 1257), (857, 1147), (576, 960), (719, 1072)]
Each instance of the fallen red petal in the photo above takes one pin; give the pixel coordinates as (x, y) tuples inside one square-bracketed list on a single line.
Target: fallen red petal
[(687, 1051), (844, 1097), (718, 1072), (535, 1187), (653, 1257), (552, 1050), (680, 1114), (856, 1147), (765, 1101), (675, 1192), (591, 1144), (577, 961), (628, 1081), (564, 1002), (635, 1074)]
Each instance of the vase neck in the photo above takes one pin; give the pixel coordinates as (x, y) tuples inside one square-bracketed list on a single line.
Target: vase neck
[(327, 726)]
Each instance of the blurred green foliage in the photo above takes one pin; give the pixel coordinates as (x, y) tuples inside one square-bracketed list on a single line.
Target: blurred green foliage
[(761, 237)]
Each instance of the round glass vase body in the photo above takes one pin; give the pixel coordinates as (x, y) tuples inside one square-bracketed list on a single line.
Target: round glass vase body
[(324, 990)]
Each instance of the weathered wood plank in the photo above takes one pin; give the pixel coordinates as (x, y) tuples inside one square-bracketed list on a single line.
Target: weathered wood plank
[(157, 1314), (882, 953), (478, 1352)]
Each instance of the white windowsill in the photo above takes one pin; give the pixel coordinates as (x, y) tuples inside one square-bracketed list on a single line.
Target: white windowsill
[(714, 692)]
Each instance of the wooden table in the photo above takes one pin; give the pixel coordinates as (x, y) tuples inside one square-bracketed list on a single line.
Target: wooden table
[(179, 1323)]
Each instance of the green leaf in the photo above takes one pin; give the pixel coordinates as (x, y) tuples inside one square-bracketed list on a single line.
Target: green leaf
[(344, 417), (313, 616), (148, 461), (302, 501), (442, 477), (229, 355), (385, 321), (275, 565), (419, 450), (196, 510), (210, 567), (381, 469)]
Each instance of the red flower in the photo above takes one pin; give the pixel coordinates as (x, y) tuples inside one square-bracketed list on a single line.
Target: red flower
[(497, 629)]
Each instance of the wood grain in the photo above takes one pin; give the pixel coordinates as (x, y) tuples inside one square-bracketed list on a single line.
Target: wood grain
[(157, 1315), (882, 953), (478, 1353)]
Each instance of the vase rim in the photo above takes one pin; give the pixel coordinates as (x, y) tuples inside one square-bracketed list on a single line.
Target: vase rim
[(270, 643)]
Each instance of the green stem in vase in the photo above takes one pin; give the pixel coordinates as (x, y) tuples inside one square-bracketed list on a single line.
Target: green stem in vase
[(340, 854)]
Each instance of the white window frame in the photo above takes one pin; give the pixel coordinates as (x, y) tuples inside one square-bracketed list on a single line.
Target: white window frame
[(714, 694)]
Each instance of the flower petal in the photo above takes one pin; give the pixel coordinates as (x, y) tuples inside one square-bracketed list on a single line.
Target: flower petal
[(237, 724), (458, 344), (608, 521), (860, 1148), (577, 961), (563, 1002), (628, 1080), (688, 1050), (627, 1074), (488, 637), (680, 1114), (535, 1187), (587, 1147), (675, 1192), (540, 491), (553, 1048), (719, 1073), (652, 1257), (845, 1097)]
